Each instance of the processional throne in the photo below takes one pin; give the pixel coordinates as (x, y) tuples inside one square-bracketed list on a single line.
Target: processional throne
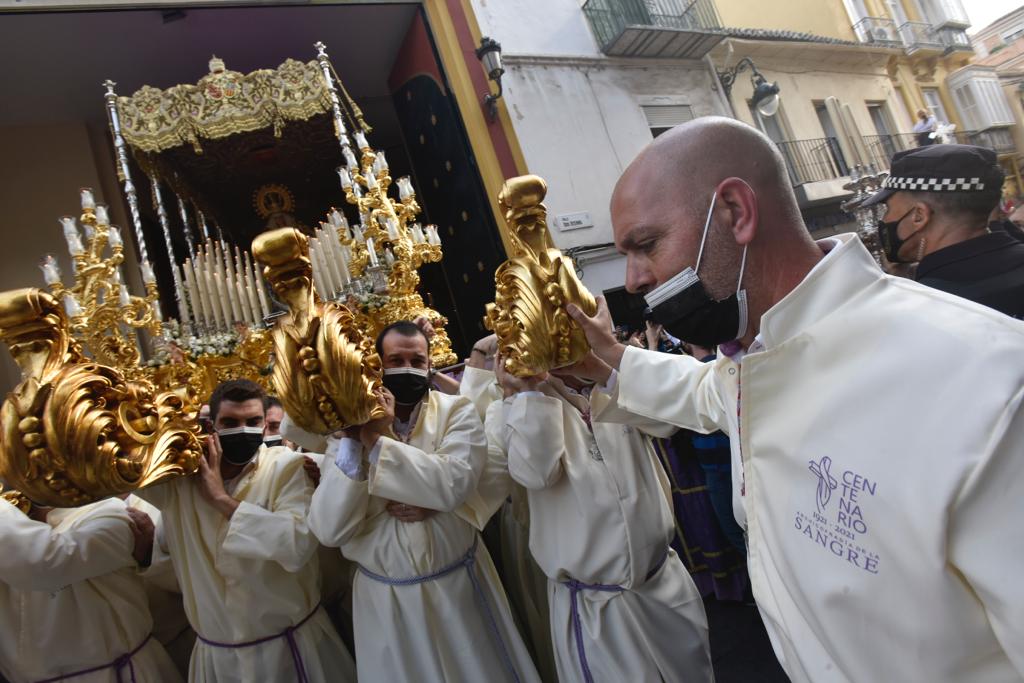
[(93, 417)]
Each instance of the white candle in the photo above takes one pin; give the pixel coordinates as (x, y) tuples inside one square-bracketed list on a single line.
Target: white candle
[(71, 236), (194, 298), (179, 289), (71, 306), (350, 159), (371, 180), (200, 286), (232, 287), (371, 254), (114, 237), (404, 188), (338, 218), (254, 304), (318, 278), (51, 273), (223, 294), (417, 234), (341, 267), (87, 199), (357, 191), (392, 228), (123, 297), (381, 162), (101, 215), (389, 258), (261, 291), (148, 277), (346, 179), (361, 140), (357, 233)]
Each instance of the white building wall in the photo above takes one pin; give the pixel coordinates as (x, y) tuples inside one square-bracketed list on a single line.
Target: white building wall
[(577, 114)]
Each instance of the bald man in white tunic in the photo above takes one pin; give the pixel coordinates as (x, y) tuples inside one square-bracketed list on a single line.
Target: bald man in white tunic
[(72, 606), (622, 605), (428, 604)]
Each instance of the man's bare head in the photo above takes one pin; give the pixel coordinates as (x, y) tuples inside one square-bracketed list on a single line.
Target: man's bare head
[(661, 202)]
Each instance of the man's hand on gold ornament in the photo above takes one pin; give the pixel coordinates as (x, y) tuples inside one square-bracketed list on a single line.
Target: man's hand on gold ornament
[(408, 513), (598, 329), (142, 532), (372, 430), (483, 351), (423, 322), (512, 384)]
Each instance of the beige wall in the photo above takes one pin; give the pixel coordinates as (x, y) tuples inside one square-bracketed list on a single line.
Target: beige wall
[(44, 167), (820, 17)]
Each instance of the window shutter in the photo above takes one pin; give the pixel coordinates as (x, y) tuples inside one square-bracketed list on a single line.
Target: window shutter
[(667, 115)]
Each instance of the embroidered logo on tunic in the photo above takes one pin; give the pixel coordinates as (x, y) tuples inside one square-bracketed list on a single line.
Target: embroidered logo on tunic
[(843, 531), (826, 482)]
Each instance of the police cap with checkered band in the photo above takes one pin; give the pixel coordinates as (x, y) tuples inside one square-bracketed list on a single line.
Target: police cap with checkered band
[(941, 168)]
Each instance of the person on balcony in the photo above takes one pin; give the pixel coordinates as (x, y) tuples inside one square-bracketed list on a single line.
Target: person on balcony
[(926, 128), (938, 201)]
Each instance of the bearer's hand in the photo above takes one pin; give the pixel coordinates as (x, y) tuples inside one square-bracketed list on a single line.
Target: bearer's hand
[(142, 532), (408, 513), (423, 322), (312, 470), (599, 332), (590, 368), (484, 350), (373, 429), (211, 483), (512, 384)]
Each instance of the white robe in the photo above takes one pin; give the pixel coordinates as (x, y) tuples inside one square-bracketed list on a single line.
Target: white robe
[(599, 505), (878, 471), (71, 599), (253, 576), (170, 623), (436, 630)]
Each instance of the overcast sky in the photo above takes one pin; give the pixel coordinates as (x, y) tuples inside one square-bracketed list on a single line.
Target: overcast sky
[(984, 12)]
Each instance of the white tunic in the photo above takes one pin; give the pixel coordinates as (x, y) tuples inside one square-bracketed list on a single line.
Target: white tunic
[(71, 600), (599, 505), (252, 577), (878, 468), (456, 627)]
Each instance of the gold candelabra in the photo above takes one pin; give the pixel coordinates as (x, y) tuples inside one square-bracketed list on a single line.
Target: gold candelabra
[(103, 314)]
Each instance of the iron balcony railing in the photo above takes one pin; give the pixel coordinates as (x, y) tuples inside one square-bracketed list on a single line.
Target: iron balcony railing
[(877, 30), (918, 35), (609, 19), (954, 39), (811, 161)]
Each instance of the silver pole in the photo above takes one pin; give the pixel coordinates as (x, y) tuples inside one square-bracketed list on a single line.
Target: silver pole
[(339, 120), (202, 225), (123, 172), (183, 210), (165, 225)]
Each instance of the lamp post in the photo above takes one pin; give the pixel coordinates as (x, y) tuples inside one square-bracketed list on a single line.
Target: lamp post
[(489, 54), (766, 95)]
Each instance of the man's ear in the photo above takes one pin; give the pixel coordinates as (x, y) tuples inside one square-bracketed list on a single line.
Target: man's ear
[(736, 196), (922, 215)]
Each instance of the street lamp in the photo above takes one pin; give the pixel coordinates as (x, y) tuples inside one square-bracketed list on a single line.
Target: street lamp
[(489, 54), (766, 95)]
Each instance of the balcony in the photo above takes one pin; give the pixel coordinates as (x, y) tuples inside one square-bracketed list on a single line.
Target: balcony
[(998, 139), (681, 29), (946, 13), (954, 40), (918, 36), (877, 31)]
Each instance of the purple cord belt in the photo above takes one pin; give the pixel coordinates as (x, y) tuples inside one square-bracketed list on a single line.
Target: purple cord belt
[(288, 634), (574, 611), (465, 562), (118, 665)]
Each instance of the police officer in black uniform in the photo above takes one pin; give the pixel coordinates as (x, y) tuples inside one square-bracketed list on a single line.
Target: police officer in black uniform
[(938, 199)]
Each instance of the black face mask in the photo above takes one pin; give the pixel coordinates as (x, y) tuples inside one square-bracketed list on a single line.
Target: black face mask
[(273, 440), (888, 236), (407, 384), (683, 306), (240, 444)]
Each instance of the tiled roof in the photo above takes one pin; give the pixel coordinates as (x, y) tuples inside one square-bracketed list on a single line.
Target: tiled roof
[(786, 36)]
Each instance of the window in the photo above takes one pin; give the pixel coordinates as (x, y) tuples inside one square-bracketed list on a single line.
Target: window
[(663, 117), (831, 143), (774, 127), (1013, 35), (882, 147), (980, 99), (934, 103)]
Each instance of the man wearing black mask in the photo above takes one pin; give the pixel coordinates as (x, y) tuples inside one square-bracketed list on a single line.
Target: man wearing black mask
[(426, 600), (938, 200), (243, 555)]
